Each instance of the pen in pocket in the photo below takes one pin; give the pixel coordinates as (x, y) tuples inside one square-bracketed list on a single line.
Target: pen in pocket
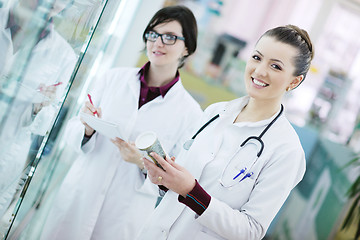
[(247, 176)]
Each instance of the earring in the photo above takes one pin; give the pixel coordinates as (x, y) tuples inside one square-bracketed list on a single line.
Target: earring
[(288, 89)]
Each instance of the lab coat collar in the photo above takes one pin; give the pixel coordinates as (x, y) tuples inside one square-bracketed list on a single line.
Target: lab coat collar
[(175, 89), (135, 84), (235, 106)]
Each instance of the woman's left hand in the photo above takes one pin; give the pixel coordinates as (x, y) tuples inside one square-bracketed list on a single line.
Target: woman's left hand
[(129, 152), (174, 176)]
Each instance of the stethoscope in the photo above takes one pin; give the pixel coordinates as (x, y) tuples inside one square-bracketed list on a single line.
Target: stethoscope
[(243, 173)]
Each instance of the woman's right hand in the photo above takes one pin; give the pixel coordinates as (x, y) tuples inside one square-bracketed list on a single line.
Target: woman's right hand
[(172, 175), (88, 108), (129, 152)]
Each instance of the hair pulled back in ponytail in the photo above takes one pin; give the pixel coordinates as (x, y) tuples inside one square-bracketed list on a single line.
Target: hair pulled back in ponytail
[(298, 38)]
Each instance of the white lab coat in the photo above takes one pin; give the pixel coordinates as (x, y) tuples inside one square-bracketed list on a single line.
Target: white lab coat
[(246, 210), (98, 191), (51, 60)]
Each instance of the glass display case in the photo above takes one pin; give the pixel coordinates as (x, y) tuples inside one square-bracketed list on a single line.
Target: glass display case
[(43, 45)]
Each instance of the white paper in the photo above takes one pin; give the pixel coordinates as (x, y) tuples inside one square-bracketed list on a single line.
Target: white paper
[(109, 129)]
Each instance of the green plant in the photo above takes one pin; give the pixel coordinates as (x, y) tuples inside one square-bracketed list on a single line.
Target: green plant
[(354, 193)]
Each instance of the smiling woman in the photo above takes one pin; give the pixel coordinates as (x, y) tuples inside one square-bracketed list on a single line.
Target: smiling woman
[(165, 54), (270, 69), (251, 147), (99, 192)]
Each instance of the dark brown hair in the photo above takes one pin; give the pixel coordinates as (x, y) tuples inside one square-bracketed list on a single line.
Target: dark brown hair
[(299, 39), (187, 21)]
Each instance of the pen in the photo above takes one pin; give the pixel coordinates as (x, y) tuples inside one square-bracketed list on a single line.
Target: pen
[(92, 104), (56, 84), (241, 172), (52, 85), (247, 175)]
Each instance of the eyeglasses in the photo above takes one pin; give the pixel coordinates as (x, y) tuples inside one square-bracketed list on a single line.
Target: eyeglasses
[(166, 39)]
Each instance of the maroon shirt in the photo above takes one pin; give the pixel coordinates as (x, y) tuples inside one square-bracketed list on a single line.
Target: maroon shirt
[(149, 93)]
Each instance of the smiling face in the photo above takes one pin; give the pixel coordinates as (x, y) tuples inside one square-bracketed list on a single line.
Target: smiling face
[(162, 55), (269, 71)]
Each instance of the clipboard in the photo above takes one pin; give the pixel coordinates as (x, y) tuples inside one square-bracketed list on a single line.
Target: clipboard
[(108, 129)]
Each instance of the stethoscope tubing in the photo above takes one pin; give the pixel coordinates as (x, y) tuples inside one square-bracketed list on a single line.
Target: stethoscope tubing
[(258, 138), (245, 171), (249, 138), (205, 125)]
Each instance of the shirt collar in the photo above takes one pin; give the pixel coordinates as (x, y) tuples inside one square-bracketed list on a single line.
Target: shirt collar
[(163, 89)]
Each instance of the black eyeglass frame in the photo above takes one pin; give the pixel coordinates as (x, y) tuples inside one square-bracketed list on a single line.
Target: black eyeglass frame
[(161, 37)]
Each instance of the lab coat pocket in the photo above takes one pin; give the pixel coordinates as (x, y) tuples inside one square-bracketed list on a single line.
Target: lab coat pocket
[(207, 234), (238, 194)]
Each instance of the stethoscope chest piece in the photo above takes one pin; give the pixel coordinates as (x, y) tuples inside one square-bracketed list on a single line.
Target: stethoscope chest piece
[(188, 144)]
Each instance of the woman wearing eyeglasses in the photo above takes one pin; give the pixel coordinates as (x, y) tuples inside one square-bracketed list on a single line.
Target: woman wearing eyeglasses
[(97, 193), (234, 177)]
